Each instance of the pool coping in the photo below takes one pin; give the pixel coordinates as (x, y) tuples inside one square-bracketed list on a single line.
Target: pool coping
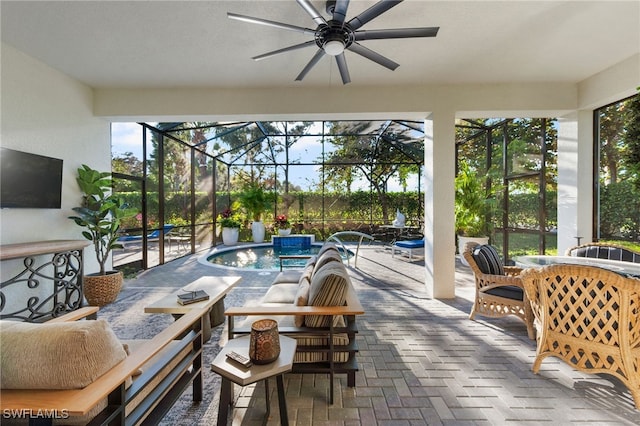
[(203, 259)]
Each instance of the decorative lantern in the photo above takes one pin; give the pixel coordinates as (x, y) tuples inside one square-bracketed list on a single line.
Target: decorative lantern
[(264, 345)]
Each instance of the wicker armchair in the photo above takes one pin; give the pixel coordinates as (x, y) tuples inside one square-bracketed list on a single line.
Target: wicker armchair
[(499, 290), (588, 317), (604, 251)]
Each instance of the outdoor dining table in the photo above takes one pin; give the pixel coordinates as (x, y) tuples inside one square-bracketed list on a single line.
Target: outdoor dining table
[(536, 261)]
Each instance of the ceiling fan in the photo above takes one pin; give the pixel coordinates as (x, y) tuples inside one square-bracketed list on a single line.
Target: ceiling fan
[(336, 35)]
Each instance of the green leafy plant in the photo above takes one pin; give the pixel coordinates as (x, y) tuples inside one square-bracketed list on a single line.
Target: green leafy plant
[(255, 201), (473, 207), (101, 212), (229, 219)]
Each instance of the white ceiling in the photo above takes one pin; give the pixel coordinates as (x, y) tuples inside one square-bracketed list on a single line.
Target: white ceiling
[(180, 44)]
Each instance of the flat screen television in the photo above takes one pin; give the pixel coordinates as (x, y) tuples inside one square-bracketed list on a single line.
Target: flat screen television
[(29, 180)]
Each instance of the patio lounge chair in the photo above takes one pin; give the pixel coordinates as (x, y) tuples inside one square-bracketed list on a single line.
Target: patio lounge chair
[(499, 289), (151, 237), (604, 251), (411, 247)]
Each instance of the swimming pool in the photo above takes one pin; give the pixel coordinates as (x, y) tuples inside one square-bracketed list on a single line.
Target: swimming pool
[(263, 257)]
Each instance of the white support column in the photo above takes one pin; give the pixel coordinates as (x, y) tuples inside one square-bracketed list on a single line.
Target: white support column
[(575, 179), (439, 223)]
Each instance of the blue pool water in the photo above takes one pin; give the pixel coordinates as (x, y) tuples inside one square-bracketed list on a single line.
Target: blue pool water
[(263, 257)]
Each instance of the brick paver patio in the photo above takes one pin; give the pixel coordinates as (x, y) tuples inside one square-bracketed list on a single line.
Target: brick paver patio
[(422, 361)]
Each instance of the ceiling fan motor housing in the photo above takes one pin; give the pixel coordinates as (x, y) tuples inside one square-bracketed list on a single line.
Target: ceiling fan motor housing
[(330, 6)]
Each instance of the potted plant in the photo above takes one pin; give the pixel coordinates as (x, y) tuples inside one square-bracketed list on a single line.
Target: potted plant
[(255, 202), (100, 214), (283, 225), (230, 224), (473, 208)]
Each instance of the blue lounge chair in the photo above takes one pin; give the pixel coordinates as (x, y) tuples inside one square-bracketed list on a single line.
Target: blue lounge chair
[(411, 247), (153, 236)]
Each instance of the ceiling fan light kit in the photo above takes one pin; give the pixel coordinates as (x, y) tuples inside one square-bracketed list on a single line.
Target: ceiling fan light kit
[(334, 36), (333, 47)]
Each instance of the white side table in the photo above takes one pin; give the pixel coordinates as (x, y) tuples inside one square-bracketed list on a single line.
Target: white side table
[(232, 372)]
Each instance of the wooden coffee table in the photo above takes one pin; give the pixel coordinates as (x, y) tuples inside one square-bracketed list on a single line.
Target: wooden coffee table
[(216, 287)]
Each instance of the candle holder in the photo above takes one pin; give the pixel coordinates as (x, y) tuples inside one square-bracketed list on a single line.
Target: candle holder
[(264, 343)]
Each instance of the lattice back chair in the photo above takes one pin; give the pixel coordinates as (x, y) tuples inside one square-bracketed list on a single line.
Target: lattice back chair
[(499, 290), (604, 251), (588, 317)]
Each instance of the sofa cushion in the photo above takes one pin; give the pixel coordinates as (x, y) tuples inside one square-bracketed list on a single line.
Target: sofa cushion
[(68, 355), (328, 288), (302, 298), (307, 273), (289, 276), (410, 244), (293, 276), (507, 291), (340, 339), (326, 247), (311, 261), (325, 258), (488, 260), (281, 293)]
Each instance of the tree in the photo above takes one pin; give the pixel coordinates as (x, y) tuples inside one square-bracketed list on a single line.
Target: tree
[(632, 139), (619, 171), (244, 145), (127, 164), (611, 126), (375, 156), (508, 153)]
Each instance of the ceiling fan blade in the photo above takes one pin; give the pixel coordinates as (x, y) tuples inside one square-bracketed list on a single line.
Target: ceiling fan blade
[(373, 12), (396, 33), (374, 56), (342, 67), (312, 11), (340, 10), (319, 54), (268, 23), (285, 49)]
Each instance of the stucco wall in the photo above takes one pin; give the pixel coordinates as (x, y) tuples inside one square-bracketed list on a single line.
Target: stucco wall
[(45, 112)]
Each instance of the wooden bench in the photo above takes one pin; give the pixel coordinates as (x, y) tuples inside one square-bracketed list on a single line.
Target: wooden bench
[(168, 362)]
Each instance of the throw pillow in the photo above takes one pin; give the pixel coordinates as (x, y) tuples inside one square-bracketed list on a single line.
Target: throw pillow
[(302, 299), (67, 355), (326, 258), (328, 246), (307, 272), (311, 261), (488, 260), (328, 288)]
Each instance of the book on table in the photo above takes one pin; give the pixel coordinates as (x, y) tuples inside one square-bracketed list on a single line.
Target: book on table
[(192, 297)]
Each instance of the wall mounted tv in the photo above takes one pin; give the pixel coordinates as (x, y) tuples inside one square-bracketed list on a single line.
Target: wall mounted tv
[(29, 180)]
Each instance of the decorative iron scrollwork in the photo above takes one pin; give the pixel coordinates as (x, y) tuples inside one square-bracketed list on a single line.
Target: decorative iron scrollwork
[(63, 273)]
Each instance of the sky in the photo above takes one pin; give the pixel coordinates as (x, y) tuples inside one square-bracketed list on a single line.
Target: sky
[(127, 137)]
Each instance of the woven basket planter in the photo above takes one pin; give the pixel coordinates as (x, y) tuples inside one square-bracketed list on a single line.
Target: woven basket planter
[(100, 290)]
